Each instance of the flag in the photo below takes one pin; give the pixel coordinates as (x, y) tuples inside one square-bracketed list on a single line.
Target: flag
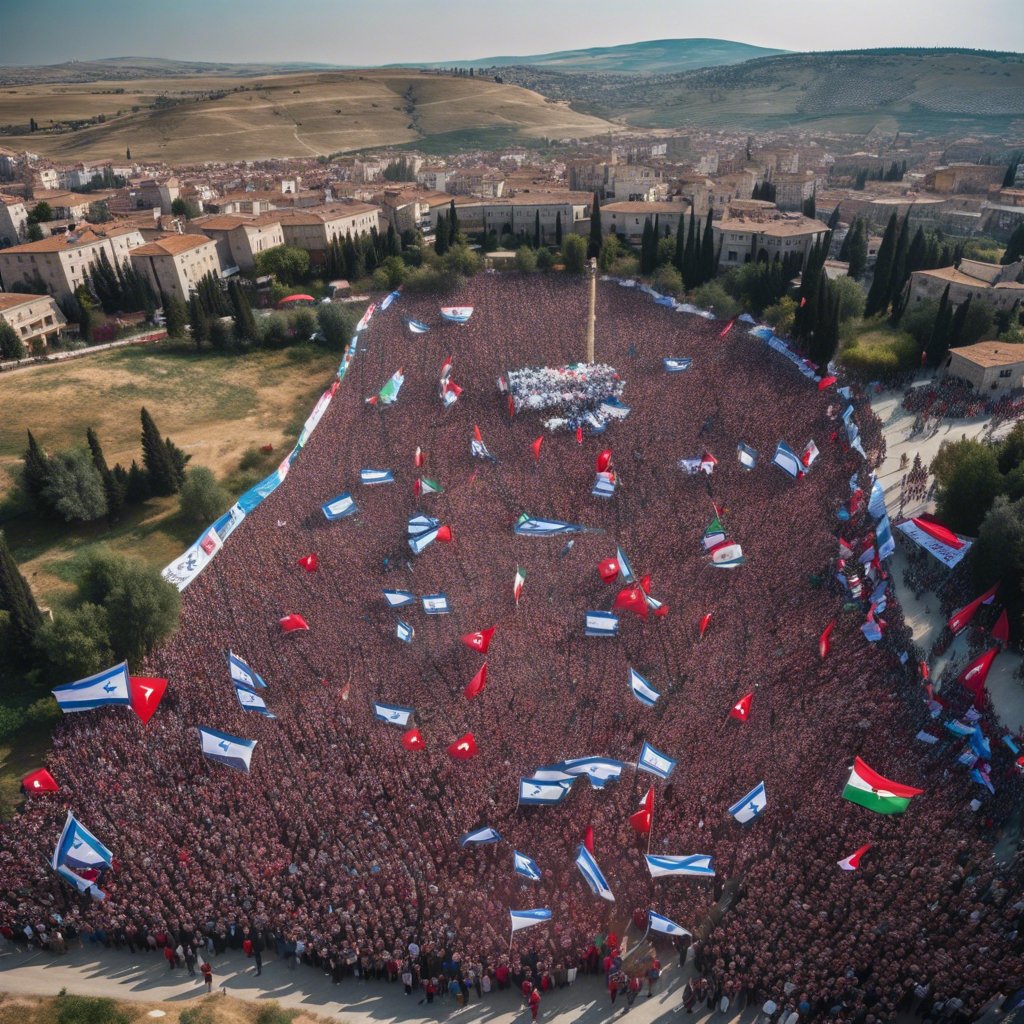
[(592, 873), (526, 866), (665, 925), (424, 485), (479, 641), (399, 598), (413, 740), (598, 770), (741, 709), (365, 319), (697, 865), (980, 744), (444, 534), (604, 485), (309, 562), (79, 849), (388, 299), (608, 570), (339, 507), (528, 918), (417, 326), (421, 524), (747, 455), (655, 762), (852, 862), (537, 791), (241, 673), (1001, 630), (641, 689), (146, 694), (708, 463), (230, 750), (405, 632), (729, 556), (675, 365), (388, 394), (517, 584), (535, 448), (293, 623), (981, 776), (871, 790), (809, 454), (476, 685), (480, 836), (533, 527), (958, 728), (110, 686), (601, 624), (704, 623), (625, 569), (749, 807), (727, 328), (463, 748), (457, 314), (641, 820), (604, 461), (926, 737), (826, 382), (786, 459), (588, 839), (369, 477), (974, 675), (632, 599), (825, 640), (963, 616), (393, 714), (418, 458), (714, 534), (436, 604), (579, 435), (39, 781), (252, 701)]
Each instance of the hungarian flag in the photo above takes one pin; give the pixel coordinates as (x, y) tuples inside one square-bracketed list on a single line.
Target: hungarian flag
[(741, 709), (413, 740), (641, 820), (608, 569), (444, 534), (479, 641), (145, 694), (727, 328), (39, 781), (704, 623), (852, 862), (424, 485), (588, 839), (463, 748), (825, 640), (309, 562), (1001, 630), (293, 623), (476, 685), (517, 584), (876, 793), (974, 675), (418, 459), (579, 435), (535, 448), (963, 616), (604, 460)]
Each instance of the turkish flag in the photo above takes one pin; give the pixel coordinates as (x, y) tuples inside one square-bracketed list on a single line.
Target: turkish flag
[(535, 447), (418, 459), (974, 675), (641, 820), (413, 740), (145, 694), (825, 640), (476, 685), (476, 433), (741, 709), (579, 435), (588, 839), (39, 781), (632, 599), (444, 534), (604, 460), (645, 584), (463, 748), (704, 623), (962, 616), (608, 570), (1001, 630), (479, 641), (826, 382), (309, 562), (662, 611), (293, 623)]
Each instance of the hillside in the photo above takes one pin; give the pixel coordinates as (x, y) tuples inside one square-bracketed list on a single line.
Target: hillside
[(214, 119)]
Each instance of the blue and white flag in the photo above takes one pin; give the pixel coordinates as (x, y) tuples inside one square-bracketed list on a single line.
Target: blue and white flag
[(80, 883), (697, 865), (655, 762), (747, 455), (399, 598), (876, 503), (601, 624), (1011, 743), (982, 778), (959, 729), (230, 750), (642, 690), (252, 701), (388, 299), (340, 507), (535, 792), (422, 541), (980, 744), (883, 535), (457, 314), (375, 476), (749, 807), (676, 365), (393, 714), (417, 327), (483, 835), (625, 569), (78, 848), (436, 604), (405, 632), (604, 486), (614, 408), (552, 773), (926, 737), (665, 925), (525, 866), (598, 769), (421, 524), (847, 393), (872, 631), (544, 527), (527, 918), (592, 873), (787, 460), (107, 687), (241, 673)]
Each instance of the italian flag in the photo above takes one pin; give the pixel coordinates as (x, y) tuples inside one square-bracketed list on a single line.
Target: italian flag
[(517, 584), (876, 793), (852, 862)]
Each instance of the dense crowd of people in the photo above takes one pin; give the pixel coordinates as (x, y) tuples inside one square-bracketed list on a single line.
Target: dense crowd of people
[(953, 397), (341, 849)]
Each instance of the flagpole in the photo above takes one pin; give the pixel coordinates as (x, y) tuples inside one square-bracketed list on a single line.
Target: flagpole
[(650, 831)]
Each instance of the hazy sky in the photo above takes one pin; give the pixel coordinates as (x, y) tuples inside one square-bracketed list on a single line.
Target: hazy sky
[(376, 32)]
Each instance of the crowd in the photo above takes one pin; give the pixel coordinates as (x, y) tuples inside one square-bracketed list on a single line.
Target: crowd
[(340, 848), (952, 397)]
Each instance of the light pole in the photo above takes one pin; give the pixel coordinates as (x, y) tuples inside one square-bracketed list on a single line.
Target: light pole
[(592, 313)]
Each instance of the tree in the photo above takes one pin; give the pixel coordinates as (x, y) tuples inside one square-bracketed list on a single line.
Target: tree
[(74, 488), (242, 315), (679, 256), (689, 277), (176, 315), (938, 342), (536, 229), (198, 321), (33, 233), (287, 263), (1011, 171), (202, 499), (998, 553), (75, 644), (574, 254), (858, 256), (594, 246), (453, 224), (441, 235), (111, 486), (128, 153), (851, 298), (136, 488), (881, 283), (558, 228), (707, 252), (164, 462), (899, 273), (526, 259), (810, 207), (40, 213), (184, 208), (1014, 247), (648, 248), (11, 345), (967, 483), (336, 324), (36, 471), (17, 600)]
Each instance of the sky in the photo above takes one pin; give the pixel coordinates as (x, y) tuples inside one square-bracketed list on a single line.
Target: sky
[(385, 31)]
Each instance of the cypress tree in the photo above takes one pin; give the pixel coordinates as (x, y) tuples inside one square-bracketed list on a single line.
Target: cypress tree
[(898, 276), (648, 248), (956, 327), (916, 253), (136, 488), (111, 486), (689, 277), (707, 253), (594, 247), (558, 228), (680, 254), (441, 234), (349, 253), (536, 229), (1014, 247), (392, 243), (938, 343), (453, 224), (36, 471), (847, 243), (881, 284), (197, 320), (245, 322), (833, 220), (17, 600), (175, 315), (164, 471)]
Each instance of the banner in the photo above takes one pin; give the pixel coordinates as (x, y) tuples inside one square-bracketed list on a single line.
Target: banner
[(945, 553)]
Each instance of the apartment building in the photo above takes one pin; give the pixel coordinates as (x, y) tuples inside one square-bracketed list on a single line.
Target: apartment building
[(175, 264), (36, 319), (240, 238), (753, 229), (316, 227)]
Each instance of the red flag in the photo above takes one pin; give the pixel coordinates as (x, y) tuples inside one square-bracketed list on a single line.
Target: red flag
[(588, 839), (608, 570), (579, 435), (418, 459), (293, 623), (476, 433), (727, 328), (925, 674), (476, 685), (825, 640), (962, 616), (417, 487), (826, 382), (741, 709), (641, 820), (39, 781), (145, 694), (1001, 630), (937, 531), (632, 599), (413, 740), (511, 406), (852, 862), (645, 584), (444, 534), (479, 641), (604, 460), (974, 675), (803, 301), (463, 748), (704, 623), (372, 401), (309, 562), (662, 611), (535, 448)]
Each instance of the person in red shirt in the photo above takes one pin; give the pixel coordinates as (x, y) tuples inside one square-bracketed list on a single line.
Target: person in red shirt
[(207, 972), (613, 987), (534, 1004), (527, 988), (501, 975), (653, 974), (169, 957)]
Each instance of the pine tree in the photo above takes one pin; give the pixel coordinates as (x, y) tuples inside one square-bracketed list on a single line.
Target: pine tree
[(17, 600), (594, 247), (164, 470), (558, 229), (881, 284), (36, 471), (111, 487), (136, 487), (707, 252)]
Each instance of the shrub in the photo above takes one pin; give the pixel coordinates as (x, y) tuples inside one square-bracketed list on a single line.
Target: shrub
[(271, 1013), (526, 259), (202, 499), (667, 280), (714, 297), (74, 487), (624, 266), (75, 644), (781, 316), (574, 254), (89, 1010), (880, 353), (337, 325), (545, 261)]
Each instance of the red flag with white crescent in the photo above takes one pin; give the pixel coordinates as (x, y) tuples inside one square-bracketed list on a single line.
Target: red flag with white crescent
[(604, 460), (641, 820), (413, 740), (608, 569), (741, 709), (293, 623), (479, 641), (145, 694), (463, 748), (39, 781), (974, 675), (309, 562), (476, 685)]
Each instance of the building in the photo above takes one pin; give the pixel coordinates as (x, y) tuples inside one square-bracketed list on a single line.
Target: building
[(793, 190), (995, 285), (36, 319), (154, 192), (66, 205), (13, 221), (634, 183), (315, 228), (964, 178), (1001, 215), (987, 365), (174, 265), (241, 238), (753, 229), (627, 219)]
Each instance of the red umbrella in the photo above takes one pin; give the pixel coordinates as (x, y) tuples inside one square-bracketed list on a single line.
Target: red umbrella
[(295, 298)]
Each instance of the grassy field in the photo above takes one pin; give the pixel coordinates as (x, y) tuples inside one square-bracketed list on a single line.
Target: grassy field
[(18, 756)]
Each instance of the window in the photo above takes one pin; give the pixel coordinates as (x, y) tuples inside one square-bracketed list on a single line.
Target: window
[(1004, 373), (732, 256)]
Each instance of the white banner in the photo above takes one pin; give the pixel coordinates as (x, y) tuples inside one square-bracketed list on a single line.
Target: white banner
[(949, 557)]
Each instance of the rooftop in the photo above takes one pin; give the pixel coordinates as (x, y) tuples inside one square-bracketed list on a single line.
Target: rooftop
[(11, 300), (991, 353), (172, 245), (636, 207)]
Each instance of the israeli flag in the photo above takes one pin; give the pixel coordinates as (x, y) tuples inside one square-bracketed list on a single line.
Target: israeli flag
[(598, 769), (339, 507), (658, 923), (525, 866), (747, 455), (375, 476), (387, 300), (393, 714), (1009, 741), (78, 848), (847, 393), (526, 918), (676, 365), (252, 701), (230, 750), (421, 524), (749, 807), (876, 503), (592, 873), (614, 408), (980, 744), (417, 326), (481, 836), (399, 598), (960, 729), (604, 486), (80, 883), (625, 569), (552, 773), (884, 538), (601, 624), (544, 527), (786, 459), (422, 541), (532, 792), (405, 632), (698, 865), (926, 737), (655, 762), (107, 687), (436, 604), (241, 673), (642, 690)]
